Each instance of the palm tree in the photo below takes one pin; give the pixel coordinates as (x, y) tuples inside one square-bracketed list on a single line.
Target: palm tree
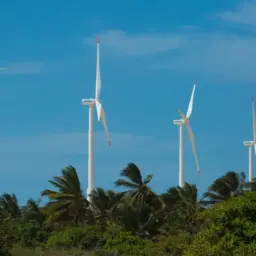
[(68, 203), (188, 206), (251, 186), (231, 184), (32, 211), (142, 220), (138, 190), (182, 208), (140, 208), (9, 206), (105, 203), (170, 198)]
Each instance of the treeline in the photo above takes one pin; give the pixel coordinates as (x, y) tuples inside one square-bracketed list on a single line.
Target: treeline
[(137, 221)]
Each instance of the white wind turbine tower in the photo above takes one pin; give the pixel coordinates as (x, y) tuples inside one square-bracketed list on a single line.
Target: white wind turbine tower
[(181, 122), (251, 143), (101, 115)]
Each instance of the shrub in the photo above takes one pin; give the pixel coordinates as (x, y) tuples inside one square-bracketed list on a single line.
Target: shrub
[(32, 234), (7, 236), (119, 242), (85, 238), (172, 245), (230, 228)]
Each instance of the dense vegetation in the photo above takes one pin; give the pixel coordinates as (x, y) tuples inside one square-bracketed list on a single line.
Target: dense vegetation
[(134, 222)]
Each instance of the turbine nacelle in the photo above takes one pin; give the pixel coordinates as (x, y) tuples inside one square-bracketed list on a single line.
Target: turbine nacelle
[(88, 102), (179, 122), (250, 143)]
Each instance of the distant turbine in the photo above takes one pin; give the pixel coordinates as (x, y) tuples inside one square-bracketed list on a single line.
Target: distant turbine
[(251, 143), (101, 115), (181, 122)]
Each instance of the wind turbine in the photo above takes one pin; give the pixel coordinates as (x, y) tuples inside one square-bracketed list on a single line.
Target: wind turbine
[(181, 122), (251, 143), (101, 115)]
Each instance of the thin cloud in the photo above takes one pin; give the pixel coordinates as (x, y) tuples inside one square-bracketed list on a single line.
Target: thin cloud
[(244, 13), (223, 55), (77, 143), (226, 57), (229, 58), (23, 68), (121, 43)]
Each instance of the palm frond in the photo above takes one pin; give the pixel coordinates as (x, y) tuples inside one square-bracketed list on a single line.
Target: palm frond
[(132, 172), (148, 179), (126, 184)]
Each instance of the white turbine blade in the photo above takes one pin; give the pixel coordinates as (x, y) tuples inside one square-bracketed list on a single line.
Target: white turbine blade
[(98, 109), (104, 122), (98, 81), (192, 140), (254, 125), (190, 105)]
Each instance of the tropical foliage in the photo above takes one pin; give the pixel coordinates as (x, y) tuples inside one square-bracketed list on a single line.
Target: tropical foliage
[(136, 221)]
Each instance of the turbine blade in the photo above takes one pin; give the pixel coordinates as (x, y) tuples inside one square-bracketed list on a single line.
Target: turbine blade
[(192, 140), (104, 122), (183, 116), (254, 125), (98, 80), (98, 109), (190, 105)]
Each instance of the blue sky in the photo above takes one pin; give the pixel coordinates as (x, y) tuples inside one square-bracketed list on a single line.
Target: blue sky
[(150, 55)]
